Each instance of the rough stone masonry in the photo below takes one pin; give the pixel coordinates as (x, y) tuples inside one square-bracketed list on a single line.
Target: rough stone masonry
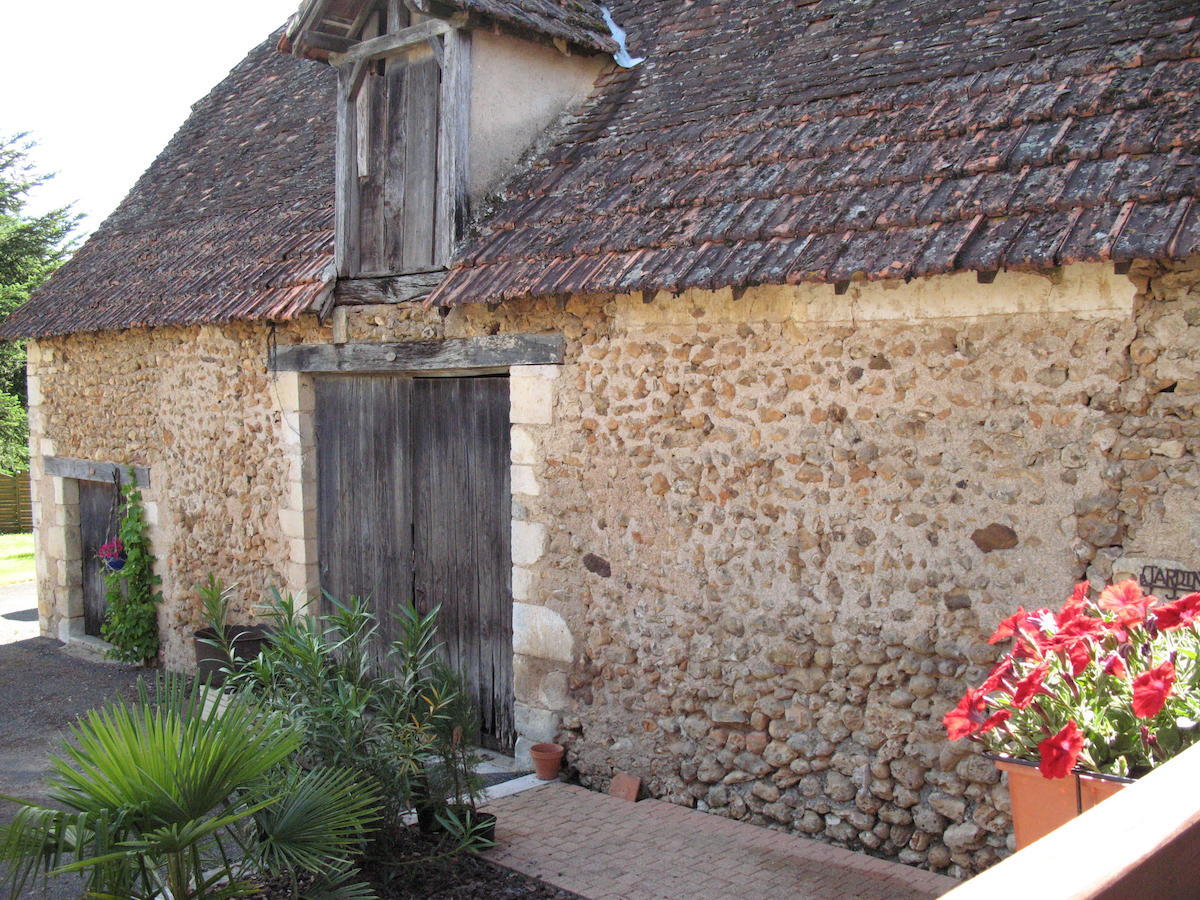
[(759, 543)]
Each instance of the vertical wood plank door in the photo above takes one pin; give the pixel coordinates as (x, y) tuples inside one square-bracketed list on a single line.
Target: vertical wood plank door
[(98, 524), (463, 518), (414, 508), (364, 529)]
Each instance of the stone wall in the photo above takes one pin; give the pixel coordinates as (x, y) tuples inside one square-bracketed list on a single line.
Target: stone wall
[(194, 405), (758, 542)]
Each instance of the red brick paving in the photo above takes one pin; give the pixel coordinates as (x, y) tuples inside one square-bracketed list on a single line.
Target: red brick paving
[(605, 848)]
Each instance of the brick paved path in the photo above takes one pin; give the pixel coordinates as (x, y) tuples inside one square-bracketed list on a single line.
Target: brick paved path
[(610, 849)]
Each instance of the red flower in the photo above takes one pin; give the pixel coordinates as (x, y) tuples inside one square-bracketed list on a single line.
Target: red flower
[(1080, 656), (966, 718), (1115, 666), (1029, 686), (1129, 604), (1184, 611), (1057, 755), (997, 718), (1116, 596), (1151, 690), (1008, 627), (1075, 607), (997, 675)]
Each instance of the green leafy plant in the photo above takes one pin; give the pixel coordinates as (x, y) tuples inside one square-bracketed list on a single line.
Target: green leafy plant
[(215, 599), (193, 794), (390, 710), (131, 625)]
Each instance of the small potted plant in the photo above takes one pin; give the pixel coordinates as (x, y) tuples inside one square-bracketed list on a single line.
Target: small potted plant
[(1088, 698), (113, 555), (220, 645)]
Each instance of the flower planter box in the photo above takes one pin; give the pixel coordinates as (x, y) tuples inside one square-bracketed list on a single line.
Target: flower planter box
[(1039, 804)]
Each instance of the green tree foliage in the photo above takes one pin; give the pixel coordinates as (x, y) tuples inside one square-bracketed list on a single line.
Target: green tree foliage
[(31, 248)]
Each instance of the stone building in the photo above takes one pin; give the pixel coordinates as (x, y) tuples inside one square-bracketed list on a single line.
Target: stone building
[(819, 340)]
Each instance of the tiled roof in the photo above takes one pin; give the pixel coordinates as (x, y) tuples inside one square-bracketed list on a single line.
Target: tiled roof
[(779, 141), (575, 21), (233, 220), (578, 22)]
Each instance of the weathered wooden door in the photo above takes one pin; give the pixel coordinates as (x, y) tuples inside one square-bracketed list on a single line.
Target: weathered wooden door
[(461, 503), (414, 508), (98, 524)]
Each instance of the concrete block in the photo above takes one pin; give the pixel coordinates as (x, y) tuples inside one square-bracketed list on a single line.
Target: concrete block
[(67, 516), (524, 448), (535, 725), (522, 583), (548, 373), (531, 400), (525, 482), (303, 551), (66, 490), (300, 493), (541, 632), (34, 383), (300, 524), (528, 542)]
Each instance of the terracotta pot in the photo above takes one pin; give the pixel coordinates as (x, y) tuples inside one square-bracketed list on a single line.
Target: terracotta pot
[(547, 760), (1039, 805)]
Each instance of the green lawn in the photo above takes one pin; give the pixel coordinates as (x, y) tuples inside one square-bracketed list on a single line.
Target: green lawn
[(16, 558)]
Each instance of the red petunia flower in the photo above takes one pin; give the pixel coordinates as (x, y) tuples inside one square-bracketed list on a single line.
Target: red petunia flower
[(1127, 593), (1181, 612), (997, 718), (1008, 627), (966, 718), (997, 676), (1079, 655), (1115, 666), (1057, 755), (1129, 604), (1075, 607), (1151, 690), (1028, 687)]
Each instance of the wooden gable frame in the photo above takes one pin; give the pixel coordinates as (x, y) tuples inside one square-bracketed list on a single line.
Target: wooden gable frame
[(401, 197)]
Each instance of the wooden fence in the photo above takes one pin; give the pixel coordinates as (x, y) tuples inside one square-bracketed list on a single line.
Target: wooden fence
[(16, 511)]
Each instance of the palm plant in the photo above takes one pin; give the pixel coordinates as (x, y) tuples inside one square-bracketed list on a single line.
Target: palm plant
[(190, 796)]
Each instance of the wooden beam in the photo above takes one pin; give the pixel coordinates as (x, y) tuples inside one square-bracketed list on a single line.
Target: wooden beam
[(346, 204), (494, 352), (87, 470), (388, 289), (986, 276), (392, 44), (453, 205), (328, 43)]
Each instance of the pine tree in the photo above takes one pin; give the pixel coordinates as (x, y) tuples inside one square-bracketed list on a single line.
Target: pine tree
[(31, 248)]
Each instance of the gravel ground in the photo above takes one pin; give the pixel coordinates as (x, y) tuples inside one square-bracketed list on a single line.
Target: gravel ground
[(43, 689)]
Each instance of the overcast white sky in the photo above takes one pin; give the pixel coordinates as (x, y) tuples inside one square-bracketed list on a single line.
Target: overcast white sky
[(103, 84)]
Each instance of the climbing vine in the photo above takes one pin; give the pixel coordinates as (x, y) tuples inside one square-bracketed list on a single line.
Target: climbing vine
[(131, 625)]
